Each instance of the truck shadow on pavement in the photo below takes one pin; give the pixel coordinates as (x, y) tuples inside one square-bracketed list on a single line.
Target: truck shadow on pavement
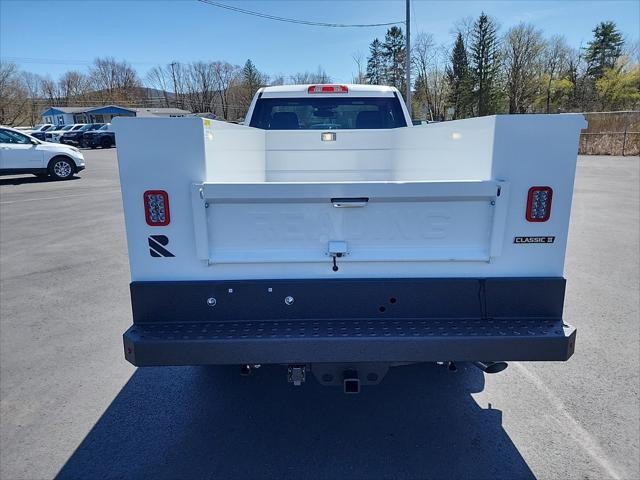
[(209, 422), (32, 179)]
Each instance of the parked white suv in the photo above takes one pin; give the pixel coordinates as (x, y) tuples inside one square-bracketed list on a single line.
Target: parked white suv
[(20, 153), (42, 127)]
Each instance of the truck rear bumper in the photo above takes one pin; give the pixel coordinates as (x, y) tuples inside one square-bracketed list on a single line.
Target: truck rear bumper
[(356, 320), (333, 341)]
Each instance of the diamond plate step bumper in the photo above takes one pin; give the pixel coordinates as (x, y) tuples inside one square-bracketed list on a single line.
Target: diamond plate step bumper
[(347, 320), (406, 340)]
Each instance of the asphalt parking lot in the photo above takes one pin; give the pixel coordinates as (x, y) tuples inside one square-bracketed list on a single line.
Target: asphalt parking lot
[(72, 407)]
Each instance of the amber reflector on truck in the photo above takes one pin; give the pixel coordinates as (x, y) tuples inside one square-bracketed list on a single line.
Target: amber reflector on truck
[(328, 89), (539, 204), (156, 208)]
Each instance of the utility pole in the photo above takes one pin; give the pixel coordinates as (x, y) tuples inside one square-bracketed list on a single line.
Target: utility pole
[(408, 59), (175, 87)]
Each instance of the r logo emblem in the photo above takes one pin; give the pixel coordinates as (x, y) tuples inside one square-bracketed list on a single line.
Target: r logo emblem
[(157, 244)]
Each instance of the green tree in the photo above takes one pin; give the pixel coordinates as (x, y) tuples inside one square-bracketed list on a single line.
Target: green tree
[(420, 101), (619, 87), (485, 65), (375, 64), (251, 79), (604, 49), (394, 54), (557, 63), (555, 94), (459, 79)]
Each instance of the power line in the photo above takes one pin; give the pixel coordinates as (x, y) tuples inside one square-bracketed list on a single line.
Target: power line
[(62, 61), (294, 20)]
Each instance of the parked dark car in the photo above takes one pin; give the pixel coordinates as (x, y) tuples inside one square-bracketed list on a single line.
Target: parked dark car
[(54, 134), (103, 137), (40, 130), (74, 137), (39, 135)]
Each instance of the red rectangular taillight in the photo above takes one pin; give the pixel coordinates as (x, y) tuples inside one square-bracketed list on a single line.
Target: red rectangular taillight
[(156, 208), (328, 89), (539, 204)]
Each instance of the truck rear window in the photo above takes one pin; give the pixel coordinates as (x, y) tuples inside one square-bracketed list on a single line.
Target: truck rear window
[(328, 113)]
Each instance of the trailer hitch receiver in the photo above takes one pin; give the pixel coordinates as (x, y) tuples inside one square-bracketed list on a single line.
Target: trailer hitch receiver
[(351, 382)]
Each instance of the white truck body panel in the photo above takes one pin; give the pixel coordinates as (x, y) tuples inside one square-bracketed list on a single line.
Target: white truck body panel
[(248, 203), (346, 250)]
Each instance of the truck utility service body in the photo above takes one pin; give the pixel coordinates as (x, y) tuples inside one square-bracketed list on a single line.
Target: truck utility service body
[(330, 235)]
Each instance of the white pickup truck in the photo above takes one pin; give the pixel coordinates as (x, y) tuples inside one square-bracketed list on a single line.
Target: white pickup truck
[(331, 236)]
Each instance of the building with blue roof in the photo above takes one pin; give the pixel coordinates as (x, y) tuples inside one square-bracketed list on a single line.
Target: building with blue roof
[(104, 114)]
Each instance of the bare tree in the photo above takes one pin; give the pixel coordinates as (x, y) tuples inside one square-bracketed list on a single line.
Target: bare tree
[(51, 91), (431, 87), (360, 77), (159, 78), (320, 76), (200, 86), (556, 59), (73, 86), (33, 85), (423, 50), (300, 78), (522, 53), (13, 95), (277, 79), (464, 27), (438, 83), (632, 50), (114, 81), (226, 76)]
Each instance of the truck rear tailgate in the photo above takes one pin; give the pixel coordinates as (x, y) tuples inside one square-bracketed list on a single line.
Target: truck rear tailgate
[(370, 221)]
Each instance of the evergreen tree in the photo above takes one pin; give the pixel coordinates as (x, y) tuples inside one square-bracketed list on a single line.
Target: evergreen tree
[(375, 64), (459, 79), (252, 79), (485, 65), (394, 53), (604, 49)]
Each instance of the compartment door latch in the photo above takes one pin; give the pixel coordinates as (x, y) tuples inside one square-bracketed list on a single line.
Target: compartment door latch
[(337, 249)]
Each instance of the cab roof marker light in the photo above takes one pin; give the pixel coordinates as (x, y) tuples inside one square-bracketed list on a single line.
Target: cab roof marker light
[(328, 89), (539, 204), (156, 208)]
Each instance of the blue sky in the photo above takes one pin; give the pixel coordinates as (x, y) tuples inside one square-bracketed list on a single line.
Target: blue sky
[(50, 37)]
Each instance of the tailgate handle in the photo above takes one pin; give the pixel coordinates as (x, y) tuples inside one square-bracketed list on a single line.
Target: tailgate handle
[(350, 202)]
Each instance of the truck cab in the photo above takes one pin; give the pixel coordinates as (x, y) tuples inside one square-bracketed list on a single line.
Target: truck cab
[(327, 107), (329, 235)]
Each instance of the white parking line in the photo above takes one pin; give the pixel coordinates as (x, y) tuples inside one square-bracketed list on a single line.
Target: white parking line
[(571, 425), (59, 196)]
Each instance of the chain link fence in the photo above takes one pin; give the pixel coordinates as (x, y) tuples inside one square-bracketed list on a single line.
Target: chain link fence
[(611, 133)]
